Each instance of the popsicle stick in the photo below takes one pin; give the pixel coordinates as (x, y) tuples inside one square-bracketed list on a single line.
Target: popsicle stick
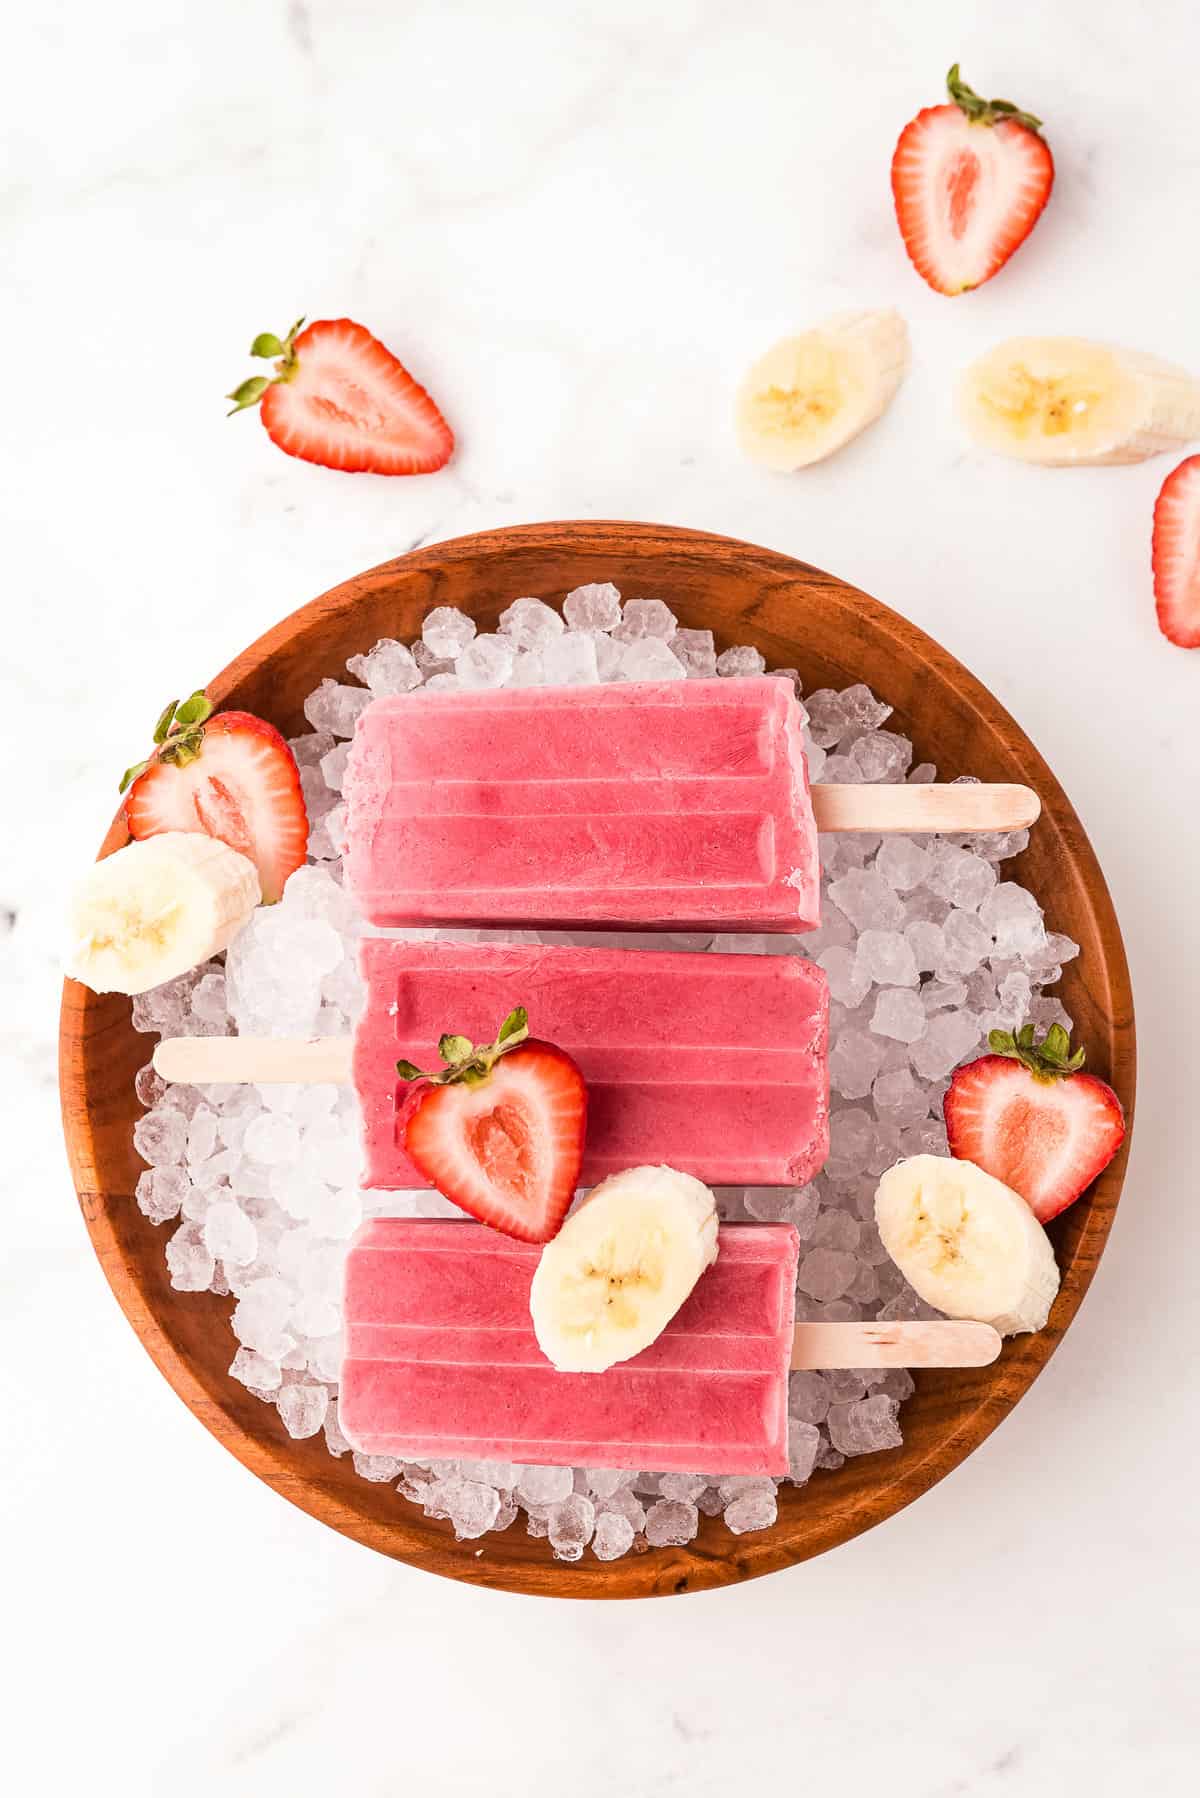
[(939, 1344), (966, 805), (263, 1060)]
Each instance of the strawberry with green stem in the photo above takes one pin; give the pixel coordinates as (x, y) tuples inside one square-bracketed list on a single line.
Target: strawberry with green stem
[(1030, 1116), (338, 397), (230, 775), (499, 1129)]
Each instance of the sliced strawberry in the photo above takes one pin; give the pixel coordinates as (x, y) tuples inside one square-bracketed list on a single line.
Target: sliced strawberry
[(338, 397), (1176, 555), (969, 181), (1028, 1116), (231, 776), (500, 1131)]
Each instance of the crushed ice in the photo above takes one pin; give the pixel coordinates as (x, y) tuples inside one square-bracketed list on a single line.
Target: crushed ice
[(926, 949)]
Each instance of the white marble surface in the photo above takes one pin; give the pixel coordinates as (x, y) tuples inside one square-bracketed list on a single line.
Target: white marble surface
[(577, 223)]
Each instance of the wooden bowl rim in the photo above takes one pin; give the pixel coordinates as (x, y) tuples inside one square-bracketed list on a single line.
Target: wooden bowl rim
[(658, 1572)]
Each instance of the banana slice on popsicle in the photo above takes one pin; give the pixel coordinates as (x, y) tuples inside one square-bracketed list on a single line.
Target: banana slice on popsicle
[(156, 908), (1068, 403), (621, 1266), (809, 395)]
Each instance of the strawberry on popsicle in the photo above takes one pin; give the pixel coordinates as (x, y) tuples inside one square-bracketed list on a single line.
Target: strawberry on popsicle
[(499, 1130)]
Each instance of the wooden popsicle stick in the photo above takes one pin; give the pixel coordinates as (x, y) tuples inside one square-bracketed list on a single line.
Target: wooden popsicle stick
[(262, 1060), (940, 1344), (965, 805)]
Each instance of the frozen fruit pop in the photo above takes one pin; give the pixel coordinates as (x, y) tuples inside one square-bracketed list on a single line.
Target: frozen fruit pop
[(441, 1359), (714, 1064), (680, 803)]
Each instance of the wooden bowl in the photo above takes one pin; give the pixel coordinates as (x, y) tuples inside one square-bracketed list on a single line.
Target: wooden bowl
[(800, 618)]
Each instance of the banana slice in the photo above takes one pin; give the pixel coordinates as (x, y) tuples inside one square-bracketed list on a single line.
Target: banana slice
[(1067, 403), (967, 1243), (811, 394), (621, 1266), (156, 908)]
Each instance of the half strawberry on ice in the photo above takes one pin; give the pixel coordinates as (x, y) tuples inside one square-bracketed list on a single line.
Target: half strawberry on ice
[(1029, 1116), (230, 775), (500, 1130)]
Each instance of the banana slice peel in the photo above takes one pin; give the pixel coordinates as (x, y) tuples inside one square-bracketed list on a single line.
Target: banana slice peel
[(811, 394), (156, 908), (1065, 402), (621, 1266), (968, 1244)]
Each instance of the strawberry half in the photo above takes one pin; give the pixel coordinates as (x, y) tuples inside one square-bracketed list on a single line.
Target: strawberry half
[(969, 181), (1175, 555), (1029, 1116), (231, 776), (338, 397), (500, 1130)]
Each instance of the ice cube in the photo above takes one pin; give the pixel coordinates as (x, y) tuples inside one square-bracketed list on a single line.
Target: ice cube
[(645, 618), (854, 1060), (861, 710), (965, 943), (650, 659), (613, 1537), (570, 1527), (446, 632), (302, 1407), (335, 1442), (208, 1000), (899, 1013), (1014, 919), (528, 670), (826, 1273), (336, 709), (272, 1140), (570, 660), (486, 662), (229, 1234), (865, 1426), (470, 1506), (849, 984), (260, 1316), (949, 1035), (440, 683), (531, 623), (881, 756), (804, 1441), (697, 651), (685, 1488), (754, 1510), (544, 1485), (836, 1229), (898, 1098), (808, 1397), (160, 1136), (594, 607), (867, 900), (188, 1260), (160, 1192), (670, 1523), (886, 957), (742, 660), (851, 1135), (902, 863), (379, 1468), (255, 1371), (389, 668), (962, 878)]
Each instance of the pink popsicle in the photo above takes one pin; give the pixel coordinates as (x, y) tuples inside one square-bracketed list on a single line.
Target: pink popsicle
[(714, 1064), (674, 804), (441, 1359)]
